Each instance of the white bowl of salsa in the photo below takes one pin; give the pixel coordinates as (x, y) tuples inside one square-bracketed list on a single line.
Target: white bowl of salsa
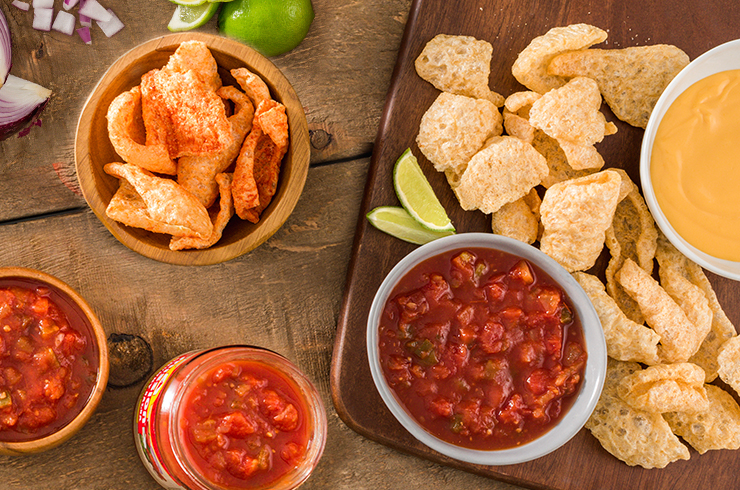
[(689, 161), (485, 349)]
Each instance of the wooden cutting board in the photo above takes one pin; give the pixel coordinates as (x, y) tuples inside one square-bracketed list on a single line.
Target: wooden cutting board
[(509, 25)]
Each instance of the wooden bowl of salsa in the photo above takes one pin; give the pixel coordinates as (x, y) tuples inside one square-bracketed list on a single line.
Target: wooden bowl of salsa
[(485, 349), (53, 361)]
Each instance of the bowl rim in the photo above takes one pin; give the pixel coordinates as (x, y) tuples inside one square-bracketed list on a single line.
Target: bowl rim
[(721, 58), (290, 187), (101, 381), (570, 423)]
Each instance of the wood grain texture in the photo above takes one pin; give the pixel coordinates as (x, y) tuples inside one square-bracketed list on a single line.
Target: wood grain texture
[(509, 26)]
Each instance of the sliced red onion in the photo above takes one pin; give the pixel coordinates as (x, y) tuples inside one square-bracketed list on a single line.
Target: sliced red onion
[(5, 52), (43, 4), (112, 26), (84, 33), (21, 5), (68, 4), (20, 100), (64, 22), (95, 11), (42, 19)]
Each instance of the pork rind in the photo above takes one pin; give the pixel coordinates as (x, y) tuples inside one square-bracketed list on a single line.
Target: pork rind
[(505, 170), (679, 339), (255, 88), (156, 204), (575, 216), (665, 388), (196, 57), (530, 67), (458, 64), (518, 219), (625, 339), (717, 427), (454, 128), (634, 436), (630, 79), (728, 360)]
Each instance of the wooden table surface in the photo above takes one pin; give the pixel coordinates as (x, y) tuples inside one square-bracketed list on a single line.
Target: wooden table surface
[(285, 295)]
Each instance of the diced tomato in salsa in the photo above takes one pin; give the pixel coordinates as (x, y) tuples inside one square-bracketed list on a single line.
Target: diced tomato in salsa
[(482, 348)]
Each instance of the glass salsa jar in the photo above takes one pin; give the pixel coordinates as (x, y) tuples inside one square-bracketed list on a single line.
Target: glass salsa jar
[(232, 417)]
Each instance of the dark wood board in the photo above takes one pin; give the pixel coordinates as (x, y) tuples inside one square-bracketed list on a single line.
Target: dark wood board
[(509, 25)]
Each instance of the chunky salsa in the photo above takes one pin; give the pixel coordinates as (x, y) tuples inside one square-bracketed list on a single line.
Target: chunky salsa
[(48, 363), (482, 348), (244, 425)]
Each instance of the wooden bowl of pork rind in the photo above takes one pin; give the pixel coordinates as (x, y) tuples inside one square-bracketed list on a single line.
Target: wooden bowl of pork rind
[(93, 149)]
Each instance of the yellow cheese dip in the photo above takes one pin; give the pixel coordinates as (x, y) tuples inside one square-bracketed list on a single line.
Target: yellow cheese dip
[(695, 165)]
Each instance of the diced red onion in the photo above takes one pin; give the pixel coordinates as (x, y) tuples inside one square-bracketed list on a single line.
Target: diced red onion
[(68, 4), (43, 4), (42, 19), (20, 100), (21, 5), (84, 33), (95, 11), (64, 22), (112, 26), (85, 21), (5, 52)]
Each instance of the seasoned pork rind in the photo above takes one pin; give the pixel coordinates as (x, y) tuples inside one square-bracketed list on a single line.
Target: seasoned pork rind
[(530, 67), (460, 65), (634, 436), (679, 338), (255, 88), (665, 388), (505, 170), (630, 79), (717, 427), (575, 216), (454, 128), (518, 219), (728, 360), (625, 339), (156, 204), (196, 57)]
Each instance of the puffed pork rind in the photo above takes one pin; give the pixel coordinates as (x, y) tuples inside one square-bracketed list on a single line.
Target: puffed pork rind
[(460, 65), (634, 436), (630, 79), (156, 204), (518, 219), (718, 427), (664, 388), (728, 360), (196, 57), (575, 216), (505, 170), (454, 128), (530, 67), (679, 338), (625, 339)]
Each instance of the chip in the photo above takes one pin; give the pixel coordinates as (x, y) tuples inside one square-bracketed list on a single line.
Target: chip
[(460, 65), (196, 57), (636, 437), (502, 172), (728, 360), (625, 339), (454, 128), (517, 219), (665, 388), (575, 216), (518, 126), (630, 79), (255, 88), (530, 67), (718, 427)]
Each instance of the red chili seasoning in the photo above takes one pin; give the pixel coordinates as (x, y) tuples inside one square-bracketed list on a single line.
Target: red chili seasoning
[(482, 348)]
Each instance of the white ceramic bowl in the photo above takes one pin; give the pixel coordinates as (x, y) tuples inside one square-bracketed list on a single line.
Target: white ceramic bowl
[(593, 380), (722, 58)]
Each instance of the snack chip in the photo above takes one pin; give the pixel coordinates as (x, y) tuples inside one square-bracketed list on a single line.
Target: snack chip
[(255, 88), (454, 128), (630, 79), (634, 436), (718, 427), (575, 216), (728, 360), (503, 171), (530, 67), (665, 388), (196, 57), (459, 65), (625, 339), (518, 219)]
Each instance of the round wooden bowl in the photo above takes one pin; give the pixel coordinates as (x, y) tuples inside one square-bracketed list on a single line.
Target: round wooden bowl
[(72, 301), (93, 149)]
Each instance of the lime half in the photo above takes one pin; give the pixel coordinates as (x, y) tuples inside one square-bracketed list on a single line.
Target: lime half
[(186, 18), (417, 196), (396, 221)]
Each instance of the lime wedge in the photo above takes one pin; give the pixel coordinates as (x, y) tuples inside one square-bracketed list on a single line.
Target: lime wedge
[(396, 221), (189, 3), (417, 196), (186, 18)]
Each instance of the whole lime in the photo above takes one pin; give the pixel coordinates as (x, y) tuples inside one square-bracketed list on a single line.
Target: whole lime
[(272, 27)]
